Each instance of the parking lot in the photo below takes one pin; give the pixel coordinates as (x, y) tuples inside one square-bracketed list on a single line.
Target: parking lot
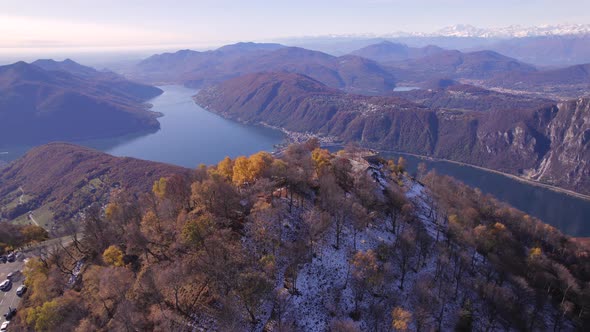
[(9, 298)]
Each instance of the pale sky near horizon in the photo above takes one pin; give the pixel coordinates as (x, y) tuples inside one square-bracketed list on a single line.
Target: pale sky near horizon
[(183, 23)]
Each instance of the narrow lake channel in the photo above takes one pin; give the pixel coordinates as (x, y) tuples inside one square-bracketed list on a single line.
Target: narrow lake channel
[(568, 213)]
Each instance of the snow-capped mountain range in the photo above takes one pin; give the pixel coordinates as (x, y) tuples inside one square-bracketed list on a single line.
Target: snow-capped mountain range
[(513, 31), (466, 30)]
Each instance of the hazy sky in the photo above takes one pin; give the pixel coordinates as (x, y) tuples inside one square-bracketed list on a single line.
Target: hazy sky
[(183, 23)]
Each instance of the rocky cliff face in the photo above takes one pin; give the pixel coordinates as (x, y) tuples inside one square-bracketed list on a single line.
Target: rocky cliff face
[(528, 137), (568, 161)]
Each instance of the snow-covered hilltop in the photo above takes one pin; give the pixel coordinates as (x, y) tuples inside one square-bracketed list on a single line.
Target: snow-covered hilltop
[(309, 241)]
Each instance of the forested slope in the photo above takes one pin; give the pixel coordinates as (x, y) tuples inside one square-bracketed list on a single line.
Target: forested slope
[(504, 132), (308, 241)]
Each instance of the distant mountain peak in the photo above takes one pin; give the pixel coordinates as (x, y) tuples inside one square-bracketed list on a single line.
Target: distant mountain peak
[(470, 31), (393, 51), (50, 100), (512, 31), (250, 46), (389, 45), (19, 64), (254, 45), (22, 71), (183, 53), (67, 65)]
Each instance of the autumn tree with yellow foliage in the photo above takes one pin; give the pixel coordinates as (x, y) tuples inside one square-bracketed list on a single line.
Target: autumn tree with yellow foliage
[(113, 256), (248, 169), (219, 249), (159, 187), (401, 319)]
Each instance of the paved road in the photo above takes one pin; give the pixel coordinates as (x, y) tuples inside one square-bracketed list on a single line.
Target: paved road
[(34, 250), (9, 299), (22, 193), (33, 219)]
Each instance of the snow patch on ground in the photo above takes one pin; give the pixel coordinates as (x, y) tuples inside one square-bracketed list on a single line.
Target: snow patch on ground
[(324, 284), (75, 273)]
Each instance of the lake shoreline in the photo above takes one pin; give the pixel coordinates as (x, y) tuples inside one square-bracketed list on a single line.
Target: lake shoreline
[(193, 135), (331, 141), (508, 175)]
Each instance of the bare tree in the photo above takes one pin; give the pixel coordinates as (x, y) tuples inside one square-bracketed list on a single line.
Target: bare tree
[(406, 252)]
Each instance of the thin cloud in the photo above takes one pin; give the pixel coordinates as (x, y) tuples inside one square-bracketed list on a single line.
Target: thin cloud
[(27, 32)]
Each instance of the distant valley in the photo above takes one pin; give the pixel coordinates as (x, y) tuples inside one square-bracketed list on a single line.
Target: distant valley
[(420, 66), (372, 70), (478, 107), (568, 82)]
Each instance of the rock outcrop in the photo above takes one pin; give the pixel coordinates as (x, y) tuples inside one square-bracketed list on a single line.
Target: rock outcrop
[(567, 163)]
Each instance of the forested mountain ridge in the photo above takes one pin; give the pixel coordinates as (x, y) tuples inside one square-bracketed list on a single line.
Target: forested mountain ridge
[(499, 131), (57, 181), (308, 241), (387, 51), (372, 70), (39, 105), (67, 65), (117, 84), (479, 65), (200, 69), (485, 67)]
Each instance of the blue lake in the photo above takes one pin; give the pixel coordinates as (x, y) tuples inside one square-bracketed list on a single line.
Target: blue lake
[(188, 135), (568, 213)]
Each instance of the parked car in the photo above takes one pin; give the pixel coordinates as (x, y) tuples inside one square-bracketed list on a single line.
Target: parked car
[(3, 259), (21, 290), (5, 285), (15, 275), (11, 313), (4, 326), (11, 258)]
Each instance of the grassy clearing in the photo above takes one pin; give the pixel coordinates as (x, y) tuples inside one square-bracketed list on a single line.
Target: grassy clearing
[(43, 216)]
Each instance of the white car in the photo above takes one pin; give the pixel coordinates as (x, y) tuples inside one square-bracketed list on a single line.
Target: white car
[(4, 326), (5, 284), (22, 289)]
